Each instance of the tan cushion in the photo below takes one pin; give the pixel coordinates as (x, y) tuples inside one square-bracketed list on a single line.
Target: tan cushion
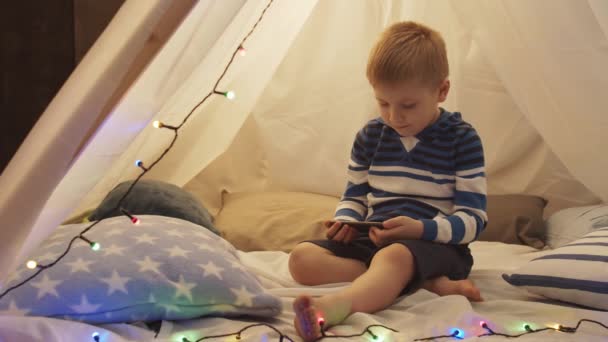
[(279, 220), (515, 219), (273, 220)]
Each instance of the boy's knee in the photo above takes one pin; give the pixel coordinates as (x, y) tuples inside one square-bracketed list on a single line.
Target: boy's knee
[(302, 260), (396, 253)]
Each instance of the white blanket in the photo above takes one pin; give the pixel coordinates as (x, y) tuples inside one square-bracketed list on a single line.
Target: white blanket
[(420, 315)]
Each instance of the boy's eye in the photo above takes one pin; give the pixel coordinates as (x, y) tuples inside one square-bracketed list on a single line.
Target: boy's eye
[(383, 104), (408, 106)]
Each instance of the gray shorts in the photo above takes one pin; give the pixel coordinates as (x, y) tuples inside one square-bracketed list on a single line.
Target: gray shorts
[(431, 259)]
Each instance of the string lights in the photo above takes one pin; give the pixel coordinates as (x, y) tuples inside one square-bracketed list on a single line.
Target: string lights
[(229, 94), (455, 333)]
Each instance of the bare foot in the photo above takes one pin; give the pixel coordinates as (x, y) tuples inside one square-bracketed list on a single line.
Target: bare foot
[(312, 315), (307, 319), (443, 286)]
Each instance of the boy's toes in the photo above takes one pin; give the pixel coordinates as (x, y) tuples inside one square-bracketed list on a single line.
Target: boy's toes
[(306, 319)]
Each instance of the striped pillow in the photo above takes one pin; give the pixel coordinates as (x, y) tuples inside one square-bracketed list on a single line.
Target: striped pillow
[(575, 273)]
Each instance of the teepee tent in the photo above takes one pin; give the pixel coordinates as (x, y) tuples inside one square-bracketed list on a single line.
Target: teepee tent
[(531, 77)]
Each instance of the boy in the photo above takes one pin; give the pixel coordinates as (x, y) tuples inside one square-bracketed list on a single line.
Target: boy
[(419, 170)]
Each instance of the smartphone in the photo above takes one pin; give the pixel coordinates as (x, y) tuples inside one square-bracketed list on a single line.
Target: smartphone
[(361, 227)]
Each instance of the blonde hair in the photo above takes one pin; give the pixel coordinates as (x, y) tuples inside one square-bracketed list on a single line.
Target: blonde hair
[(408, 51)]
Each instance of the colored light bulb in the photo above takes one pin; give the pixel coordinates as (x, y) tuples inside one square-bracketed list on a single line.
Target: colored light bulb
[(457, 333), (31, 264), (157, 124), (95, 246), (230, 95)]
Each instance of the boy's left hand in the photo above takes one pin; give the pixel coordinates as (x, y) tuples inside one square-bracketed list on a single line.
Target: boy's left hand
[(397, 228)]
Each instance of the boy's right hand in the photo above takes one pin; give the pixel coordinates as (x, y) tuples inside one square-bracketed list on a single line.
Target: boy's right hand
[(341, 232)]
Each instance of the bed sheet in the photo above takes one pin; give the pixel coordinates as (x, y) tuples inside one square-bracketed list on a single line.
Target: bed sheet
[(422, 314)]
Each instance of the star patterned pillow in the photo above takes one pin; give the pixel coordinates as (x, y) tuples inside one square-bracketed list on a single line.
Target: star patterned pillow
[(162, 269)]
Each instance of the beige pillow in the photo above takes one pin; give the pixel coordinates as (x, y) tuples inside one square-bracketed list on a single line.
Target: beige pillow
[(273, 220), (515, 219), (279, 220)]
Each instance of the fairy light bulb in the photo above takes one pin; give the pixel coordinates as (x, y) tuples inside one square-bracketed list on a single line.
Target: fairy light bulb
[(95, 336), (131, 217), (230, 95), (242, 50), (374, 336), (140, 164), (31, 264), (157, 124), (527, 327), (457, 333), (94, 245)]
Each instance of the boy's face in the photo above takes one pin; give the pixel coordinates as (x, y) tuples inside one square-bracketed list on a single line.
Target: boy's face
[(409, 107)]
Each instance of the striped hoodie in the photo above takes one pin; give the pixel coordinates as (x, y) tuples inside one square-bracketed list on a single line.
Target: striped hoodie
[(437, 177)]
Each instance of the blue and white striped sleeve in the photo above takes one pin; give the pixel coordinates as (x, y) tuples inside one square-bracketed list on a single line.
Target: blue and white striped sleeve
[(353, 204), (468, 217)]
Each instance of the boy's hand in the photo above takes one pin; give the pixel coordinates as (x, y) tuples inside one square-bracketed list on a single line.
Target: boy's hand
[(340, 232), (397, 228)]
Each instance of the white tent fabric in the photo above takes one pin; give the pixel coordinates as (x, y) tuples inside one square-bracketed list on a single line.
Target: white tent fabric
[(299, 134), (530, 75)]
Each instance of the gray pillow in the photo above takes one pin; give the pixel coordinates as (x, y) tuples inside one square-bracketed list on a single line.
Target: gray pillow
[(153, 197)]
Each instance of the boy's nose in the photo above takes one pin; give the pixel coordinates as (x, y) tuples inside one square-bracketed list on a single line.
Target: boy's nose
[(396, 118)]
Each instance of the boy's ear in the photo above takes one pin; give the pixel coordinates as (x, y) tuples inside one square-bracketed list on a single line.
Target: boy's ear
[(444, 89)]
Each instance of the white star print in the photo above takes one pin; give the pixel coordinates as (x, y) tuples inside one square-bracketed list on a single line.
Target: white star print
[(148, 265), (205, 247), (14, 310), (202, 234), (175, 233), (169, 307), (61, 234), (115, 231), (116, 283), (54, 243), (152, 299), (14, 276), (211, 269), (243, 297), (79, 265), (85, 307), (47, 256), (114, 249), (183, 288), (46, 286), (145, 238), (177, 251), (237, 264)]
